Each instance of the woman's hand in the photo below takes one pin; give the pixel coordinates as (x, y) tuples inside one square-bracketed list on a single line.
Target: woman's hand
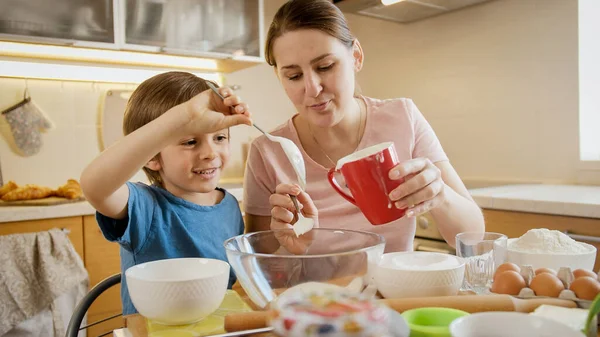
[(283, 216), (423, 188), (207, 113)]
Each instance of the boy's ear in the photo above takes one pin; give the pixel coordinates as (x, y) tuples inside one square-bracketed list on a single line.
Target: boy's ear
[(154, 164)]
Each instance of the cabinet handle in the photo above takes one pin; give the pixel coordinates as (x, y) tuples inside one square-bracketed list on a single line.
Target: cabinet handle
[(422, 248), (580, 237)]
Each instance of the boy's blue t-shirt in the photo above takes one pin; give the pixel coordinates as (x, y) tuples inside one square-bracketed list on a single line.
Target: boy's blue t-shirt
[(160, 225)]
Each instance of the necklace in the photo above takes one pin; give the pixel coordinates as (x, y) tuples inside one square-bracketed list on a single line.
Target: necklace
[(360, 111)]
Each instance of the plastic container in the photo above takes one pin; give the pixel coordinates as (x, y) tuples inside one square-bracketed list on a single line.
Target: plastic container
[(431, 322)]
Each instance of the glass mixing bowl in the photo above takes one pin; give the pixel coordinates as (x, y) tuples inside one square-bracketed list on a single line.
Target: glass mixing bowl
[(269, 262)]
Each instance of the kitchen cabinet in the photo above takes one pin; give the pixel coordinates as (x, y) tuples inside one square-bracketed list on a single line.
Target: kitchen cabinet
[(229, 31), (72, 224), (58, 21), (515, 224), (101, 259), (226, 27)]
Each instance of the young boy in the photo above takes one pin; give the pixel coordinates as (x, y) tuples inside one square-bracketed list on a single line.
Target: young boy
[(177, 131)]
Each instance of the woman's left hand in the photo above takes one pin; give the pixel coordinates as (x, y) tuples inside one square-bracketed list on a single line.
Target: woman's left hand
[(423, 188)]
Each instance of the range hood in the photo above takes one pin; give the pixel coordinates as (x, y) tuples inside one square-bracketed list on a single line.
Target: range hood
[(403, 11)]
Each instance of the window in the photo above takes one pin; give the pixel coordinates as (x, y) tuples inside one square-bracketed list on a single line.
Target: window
[(589, 81)]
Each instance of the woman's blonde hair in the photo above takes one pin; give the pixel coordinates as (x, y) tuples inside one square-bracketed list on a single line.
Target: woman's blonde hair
[(154, 97)]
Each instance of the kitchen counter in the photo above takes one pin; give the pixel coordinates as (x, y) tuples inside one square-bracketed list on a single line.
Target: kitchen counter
[(22, 213), (568, 200)]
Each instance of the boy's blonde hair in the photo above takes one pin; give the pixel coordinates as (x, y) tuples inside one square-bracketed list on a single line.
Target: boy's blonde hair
[(154, 97)]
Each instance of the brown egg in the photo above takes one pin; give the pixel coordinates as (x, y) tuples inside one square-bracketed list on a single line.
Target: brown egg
[(585, 287), (545, 270), (505, 267), (546, 284), (508, 282), (577, 273)]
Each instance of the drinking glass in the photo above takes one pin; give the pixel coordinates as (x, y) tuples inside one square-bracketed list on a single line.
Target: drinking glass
[(482, 253)]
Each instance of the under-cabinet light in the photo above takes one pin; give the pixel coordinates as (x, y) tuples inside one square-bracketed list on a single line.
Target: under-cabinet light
[(69, 72), (389, 2), (39, 51)]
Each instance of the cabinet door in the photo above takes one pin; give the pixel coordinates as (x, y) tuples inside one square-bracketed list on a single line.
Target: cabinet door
[(72, 224), (230, 27), (102, 260), (515, 224), (57, 20)]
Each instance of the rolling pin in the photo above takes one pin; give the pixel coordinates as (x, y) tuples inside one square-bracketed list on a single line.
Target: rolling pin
[(471, 304)]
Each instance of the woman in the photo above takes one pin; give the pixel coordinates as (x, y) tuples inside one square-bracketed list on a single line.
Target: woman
[(316, 58)]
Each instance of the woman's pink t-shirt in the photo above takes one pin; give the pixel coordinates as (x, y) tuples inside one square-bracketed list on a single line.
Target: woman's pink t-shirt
[(397, 120)]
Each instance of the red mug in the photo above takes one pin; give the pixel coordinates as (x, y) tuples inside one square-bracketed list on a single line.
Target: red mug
[(367, 176)]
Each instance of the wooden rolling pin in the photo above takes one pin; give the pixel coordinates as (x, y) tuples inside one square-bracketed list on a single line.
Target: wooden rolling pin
[(468, 303)]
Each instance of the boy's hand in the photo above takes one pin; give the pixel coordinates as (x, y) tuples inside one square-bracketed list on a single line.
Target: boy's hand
[(208, 113), (283, 217)]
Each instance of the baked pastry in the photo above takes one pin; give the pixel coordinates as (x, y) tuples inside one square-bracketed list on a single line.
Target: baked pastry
[(28, 192), (70, 190), (9, 186)]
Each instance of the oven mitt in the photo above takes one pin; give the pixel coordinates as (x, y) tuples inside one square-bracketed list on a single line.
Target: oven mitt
[(27, 122)]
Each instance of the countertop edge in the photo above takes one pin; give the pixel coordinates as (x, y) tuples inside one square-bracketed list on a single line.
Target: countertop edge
[(535, 199), (487, 198), (83, 208)]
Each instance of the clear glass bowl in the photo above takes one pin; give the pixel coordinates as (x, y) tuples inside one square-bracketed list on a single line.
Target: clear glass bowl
[(269, 262)]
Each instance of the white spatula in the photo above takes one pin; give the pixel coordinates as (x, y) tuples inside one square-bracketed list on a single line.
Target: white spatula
[(294, 155)]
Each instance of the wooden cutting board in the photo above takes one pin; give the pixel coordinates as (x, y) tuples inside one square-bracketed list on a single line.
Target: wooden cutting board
[(50, 201)]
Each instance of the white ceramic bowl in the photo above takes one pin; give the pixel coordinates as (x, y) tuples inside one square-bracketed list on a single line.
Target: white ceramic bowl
[(178, 291), (418, 274), (513, 324), (553, 261)]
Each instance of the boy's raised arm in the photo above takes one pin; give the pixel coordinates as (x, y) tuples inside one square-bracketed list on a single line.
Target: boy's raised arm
[(103, 180)]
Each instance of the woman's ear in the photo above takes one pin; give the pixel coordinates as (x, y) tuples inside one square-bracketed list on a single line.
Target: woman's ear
[(154, 164), (358, 54)]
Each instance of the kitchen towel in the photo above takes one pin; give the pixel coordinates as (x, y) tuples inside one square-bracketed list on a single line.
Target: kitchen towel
[(27, 122), (41, 281)]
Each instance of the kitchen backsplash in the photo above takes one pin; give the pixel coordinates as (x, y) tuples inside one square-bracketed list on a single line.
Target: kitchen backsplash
[(74, 140), (73, 109)]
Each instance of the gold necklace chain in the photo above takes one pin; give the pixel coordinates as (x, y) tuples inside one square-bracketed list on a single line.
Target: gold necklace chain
[(360, 111)]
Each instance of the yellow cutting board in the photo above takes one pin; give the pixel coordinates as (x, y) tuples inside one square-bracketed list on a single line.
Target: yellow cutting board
[(211, 325), (50, 201)]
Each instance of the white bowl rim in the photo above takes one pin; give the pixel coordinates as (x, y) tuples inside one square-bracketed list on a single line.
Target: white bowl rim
[(130, 270), (460, 260), (592, 250), (315, 256), (510, 315)]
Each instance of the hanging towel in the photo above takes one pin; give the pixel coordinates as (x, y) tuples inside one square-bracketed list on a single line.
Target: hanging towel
[(38, 271)]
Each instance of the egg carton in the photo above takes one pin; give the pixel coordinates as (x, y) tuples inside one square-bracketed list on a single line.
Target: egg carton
[(564, 274)]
